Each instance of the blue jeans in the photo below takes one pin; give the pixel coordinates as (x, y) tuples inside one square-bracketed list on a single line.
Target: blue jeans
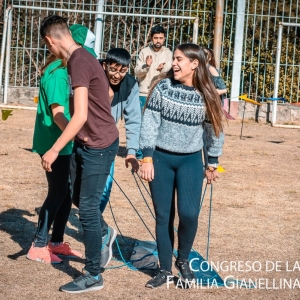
[(107, 189), (89, 170)]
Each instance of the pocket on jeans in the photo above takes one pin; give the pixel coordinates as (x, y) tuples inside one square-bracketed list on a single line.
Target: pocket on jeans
[(92, 151)]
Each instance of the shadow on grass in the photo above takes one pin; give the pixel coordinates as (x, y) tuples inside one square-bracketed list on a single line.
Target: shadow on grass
[(13, 222)]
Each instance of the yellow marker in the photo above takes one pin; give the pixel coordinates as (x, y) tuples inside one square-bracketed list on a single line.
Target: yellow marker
[(220, 169), (6, 113), (246, 99), (36, 99)]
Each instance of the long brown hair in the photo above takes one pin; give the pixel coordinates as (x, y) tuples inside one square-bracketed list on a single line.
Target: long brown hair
[(50, 60), (201, 82), (210, 56)]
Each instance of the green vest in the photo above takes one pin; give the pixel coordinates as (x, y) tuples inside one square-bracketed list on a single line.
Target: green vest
[(54, 89)]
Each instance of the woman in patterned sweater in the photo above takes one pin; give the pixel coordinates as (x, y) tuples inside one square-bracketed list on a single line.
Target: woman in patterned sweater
[(181, 107)]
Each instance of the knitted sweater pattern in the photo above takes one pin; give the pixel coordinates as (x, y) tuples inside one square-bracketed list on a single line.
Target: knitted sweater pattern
[(174, 120)]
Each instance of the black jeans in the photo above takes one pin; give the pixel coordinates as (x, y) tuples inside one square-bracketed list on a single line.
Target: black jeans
[(185, 172), (89, 170), (56, 207)]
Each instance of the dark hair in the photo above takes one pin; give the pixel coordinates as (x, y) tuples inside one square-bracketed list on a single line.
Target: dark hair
[(210, 56), (55, 26), (119, 56), (203, 83), (157, 29)]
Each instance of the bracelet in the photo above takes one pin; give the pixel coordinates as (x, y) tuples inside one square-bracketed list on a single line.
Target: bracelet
[(147, 160), (211, 169)]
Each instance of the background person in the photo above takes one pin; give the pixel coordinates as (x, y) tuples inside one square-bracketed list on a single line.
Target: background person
[(153, 60), (181, 107), (125, 102), (51, 119), (218, 83), (215, 73)]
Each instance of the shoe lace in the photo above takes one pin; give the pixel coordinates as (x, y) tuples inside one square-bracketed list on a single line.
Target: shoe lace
[(104, 241), (160, 274), (66, 249), (49, 249), (80, 278), (183, 264), (67, 245)]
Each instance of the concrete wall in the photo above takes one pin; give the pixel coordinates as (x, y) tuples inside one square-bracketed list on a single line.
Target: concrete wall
[(286, 113), (21, 96)]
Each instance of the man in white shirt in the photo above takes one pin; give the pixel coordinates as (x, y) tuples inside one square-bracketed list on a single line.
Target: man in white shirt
[(153, 60)]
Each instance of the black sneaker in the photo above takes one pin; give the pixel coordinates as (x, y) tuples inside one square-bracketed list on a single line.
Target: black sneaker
[(183, 267), (82, 284), (159, 279), (106, 249)]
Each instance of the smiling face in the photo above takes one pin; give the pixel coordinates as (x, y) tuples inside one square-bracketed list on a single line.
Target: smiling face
[(184, 68), (115, 73)]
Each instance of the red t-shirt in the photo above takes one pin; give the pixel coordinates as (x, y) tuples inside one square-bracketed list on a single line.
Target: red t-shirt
[(99, 131)]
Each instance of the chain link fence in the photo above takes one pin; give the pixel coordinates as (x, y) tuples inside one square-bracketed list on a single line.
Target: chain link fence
[(28, 53)]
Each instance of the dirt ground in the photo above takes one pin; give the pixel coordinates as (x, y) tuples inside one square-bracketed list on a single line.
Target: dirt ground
[(255, 219)]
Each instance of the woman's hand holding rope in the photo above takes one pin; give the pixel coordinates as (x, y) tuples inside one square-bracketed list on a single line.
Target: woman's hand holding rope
[(211, 174)]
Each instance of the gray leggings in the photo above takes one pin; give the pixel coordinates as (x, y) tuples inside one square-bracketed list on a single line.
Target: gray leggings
[(185, 172)]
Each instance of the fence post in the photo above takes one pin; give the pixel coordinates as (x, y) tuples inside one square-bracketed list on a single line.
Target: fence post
[(195, 31), (99, 27), (237, 58), (3, 43), (218, 31), (7, 61), (277, 72)]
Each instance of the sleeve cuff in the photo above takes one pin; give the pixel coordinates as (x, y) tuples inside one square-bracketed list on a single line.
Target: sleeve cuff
[(145, 67), (212, 161), (131, 151), (147, 152)]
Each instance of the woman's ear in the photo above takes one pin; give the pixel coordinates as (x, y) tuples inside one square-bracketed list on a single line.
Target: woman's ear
[(195, 64)]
